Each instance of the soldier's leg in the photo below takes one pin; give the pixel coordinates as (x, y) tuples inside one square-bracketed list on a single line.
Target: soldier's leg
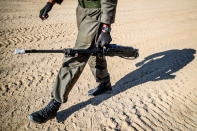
[(98, 66), (67, 77)]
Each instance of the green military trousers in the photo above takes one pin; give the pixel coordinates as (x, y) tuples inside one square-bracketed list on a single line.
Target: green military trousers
[(88, 22)]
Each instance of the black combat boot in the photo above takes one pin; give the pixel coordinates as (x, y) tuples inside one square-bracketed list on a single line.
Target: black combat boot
[(45, 114), (101, 88)]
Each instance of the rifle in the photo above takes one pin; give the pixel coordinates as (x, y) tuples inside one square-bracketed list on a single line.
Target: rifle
[(109, 50)]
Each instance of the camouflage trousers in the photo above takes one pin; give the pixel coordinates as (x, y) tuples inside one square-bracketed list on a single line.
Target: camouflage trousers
[(88, 22)]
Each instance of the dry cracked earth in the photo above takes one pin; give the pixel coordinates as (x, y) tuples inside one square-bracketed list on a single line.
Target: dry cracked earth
[(157, 91)]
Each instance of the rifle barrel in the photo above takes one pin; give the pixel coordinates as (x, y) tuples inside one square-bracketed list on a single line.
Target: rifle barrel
[(44, 51), (21, 51)]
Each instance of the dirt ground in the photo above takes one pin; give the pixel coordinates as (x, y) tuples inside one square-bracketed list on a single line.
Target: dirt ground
[(157, 91)]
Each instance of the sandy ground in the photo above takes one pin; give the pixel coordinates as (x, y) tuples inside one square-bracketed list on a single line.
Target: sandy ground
[(157, 91)]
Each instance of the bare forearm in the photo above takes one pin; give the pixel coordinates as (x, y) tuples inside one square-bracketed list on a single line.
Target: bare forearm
[(51, 1), (55, 1), (106, 25)]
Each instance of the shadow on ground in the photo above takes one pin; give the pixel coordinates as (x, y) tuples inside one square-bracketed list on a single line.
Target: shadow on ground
[(159, 66)]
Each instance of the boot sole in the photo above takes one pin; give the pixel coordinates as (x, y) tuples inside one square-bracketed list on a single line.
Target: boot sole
[(105, 92), (37, 122)]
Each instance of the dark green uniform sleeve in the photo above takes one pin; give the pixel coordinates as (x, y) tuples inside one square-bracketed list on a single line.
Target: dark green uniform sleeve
[(108, 8)]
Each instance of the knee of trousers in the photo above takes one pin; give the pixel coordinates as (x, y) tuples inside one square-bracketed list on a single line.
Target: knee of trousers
[(64, 83), (67, 77)]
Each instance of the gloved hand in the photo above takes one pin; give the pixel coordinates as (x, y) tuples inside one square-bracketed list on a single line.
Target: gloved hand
[(44, 11), (104, 39)]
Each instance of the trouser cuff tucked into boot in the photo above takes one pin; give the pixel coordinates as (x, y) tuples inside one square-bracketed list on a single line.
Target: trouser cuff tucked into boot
[(103, 87)]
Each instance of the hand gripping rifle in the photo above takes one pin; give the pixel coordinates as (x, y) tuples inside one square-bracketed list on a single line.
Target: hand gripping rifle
[(109, 50)]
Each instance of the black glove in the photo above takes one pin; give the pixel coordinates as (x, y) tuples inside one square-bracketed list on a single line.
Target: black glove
[(104, 39), (44, 11)]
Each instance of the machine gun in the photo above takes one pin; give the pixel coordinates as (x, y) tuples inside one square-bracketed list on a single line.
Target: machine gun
[(109, 50)]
